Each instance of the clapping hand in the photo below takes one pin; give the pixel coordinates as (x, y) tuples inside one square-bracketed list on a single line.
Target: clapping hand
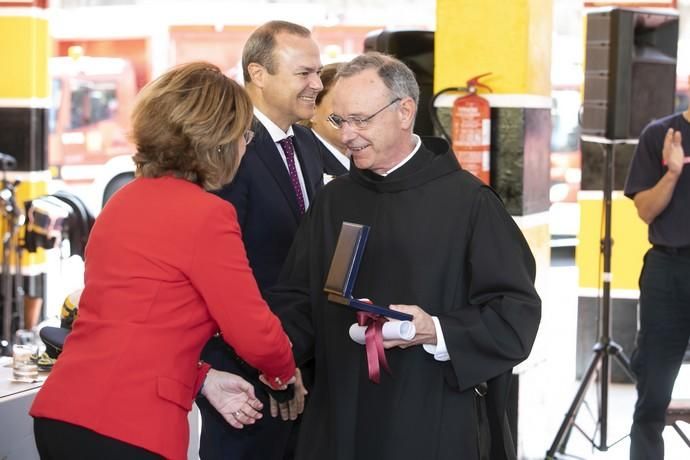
[(673, 151), (233, 397)]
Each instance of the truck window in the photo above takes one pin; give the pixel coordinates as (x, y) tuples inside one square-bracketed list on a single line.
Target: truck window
[(55, 98), (92, 102), (565, 125)]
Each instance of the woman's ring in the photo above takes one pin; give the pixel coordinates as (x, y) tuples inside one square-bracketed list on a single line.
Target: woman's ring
[(237, 413)]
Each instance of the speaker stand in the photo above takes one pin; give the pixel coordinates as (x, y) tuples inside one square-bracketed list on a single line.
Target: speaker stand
[(606, 347)]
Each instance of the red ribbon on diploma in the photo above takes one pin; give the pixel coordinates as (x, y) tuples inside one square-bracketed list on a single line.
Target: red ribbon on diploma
[(374, 343)]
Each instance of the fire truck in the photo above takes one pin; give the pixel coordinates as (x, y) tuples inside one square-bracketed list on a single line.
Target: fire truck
[(92, 99)]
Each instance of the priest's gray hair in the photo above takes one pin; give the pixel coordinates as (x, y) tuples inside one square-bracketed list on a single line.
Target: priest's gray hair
[(395, 75)]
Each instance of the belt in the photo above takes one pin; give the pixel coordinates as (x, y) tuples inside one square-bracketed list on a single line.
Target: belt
[(682, 251)]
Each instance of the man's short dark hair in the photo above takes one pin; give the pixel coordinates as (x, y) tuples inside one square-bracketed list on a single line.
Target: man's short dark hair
[(262, 42)]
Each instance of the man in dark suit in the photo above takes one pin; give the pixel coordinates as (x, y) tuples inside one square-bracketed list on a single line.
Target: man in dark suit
[(276, 181)]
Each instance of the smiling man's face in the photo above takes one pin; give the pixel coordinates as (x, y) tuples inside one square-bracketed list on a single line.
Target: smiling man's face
[(384, 142), (290, 92)]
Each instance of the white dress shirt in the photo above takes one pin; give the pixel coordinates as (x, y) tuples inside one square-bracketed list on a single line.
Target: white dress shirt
[(278, 135)]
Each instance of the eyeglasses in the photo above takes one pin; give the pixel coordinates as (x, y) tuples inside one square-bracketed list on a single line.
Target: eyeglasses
[(357, 122), (248, 136)]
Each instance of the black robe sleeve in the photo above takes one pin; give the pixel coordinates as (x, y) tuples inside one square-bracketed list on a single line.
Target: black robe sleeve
[(497, 329), (290, 297)]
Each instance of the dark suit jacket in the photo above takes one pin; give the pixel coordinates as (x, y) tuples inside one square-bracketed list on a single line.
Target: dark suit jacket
[(268, 215), (331, 165), (265, 201)]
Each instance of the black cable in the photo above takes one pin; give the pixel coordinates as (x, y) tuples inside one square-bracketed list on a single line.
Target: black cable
[(434, 115)]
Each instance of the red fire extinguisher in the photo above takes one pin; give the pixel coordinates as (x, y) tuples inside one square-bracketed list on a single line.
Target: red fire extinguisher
[(470, 136), (471, 130)]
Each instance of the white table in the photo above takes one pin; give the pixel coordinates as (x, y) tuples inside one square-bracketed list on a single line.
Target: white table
[(16, 426)]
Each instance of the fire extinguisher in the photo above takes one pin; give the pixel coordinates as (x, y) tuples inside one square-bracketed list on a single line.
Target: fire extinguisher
[(470, 136)]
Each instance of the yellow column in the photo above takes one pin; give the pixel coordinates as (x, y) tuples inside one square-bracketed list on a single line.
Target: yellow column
[(629, 235), (24, 103), (512, 40)]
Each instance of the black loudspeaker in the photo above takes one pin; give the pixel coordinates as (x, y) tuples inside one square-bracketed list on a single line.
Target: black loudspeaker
[(416, 49), (630, 71)]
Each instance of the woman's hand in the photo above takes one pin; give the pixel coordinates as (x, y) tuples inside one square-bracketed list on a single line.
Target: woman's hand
[(233, 397)]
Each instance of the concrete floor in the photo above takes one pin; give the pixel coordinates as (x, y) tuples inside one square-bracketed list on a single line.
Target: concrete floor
[(548, 385)]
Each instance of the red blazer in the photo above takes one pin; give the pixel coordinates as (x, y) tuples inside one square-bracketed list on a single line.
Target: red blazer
[(165, 269)]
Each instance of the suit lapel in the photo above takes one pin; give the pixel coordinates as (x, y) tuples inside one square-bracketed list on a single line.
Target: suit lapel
[(267, 151)]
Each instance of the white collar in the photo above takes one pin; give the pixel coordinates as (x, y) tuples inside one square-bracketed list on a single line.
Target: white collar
[(336, 153), (274, 131), (418, 144)]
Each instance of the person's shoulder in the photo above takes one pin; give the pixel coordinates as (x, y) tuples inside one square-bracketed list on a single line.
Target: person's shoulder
[(305, 135), (297, 128), (197, 203), (211, 206), (677, 121), (262, 141), (468, 188), (188, 193), (261, 136), (659, 126), (467, 181)]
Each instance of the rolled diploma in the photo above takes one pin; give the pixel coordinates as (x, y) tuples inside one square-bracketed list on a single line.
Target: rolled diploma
[(391, 330)]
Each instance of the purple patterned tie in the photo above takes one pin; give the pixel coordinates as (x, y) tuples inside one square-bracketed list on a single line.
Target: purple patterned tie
[(289, 150)]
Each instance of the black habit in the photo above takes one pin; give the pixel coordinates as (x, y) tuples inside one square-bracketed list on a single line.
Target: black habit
[(439, 239)]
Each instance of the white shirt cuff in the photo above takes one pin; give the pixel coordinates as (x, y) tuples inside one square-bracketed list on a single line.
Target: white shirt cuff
[(439, 350)]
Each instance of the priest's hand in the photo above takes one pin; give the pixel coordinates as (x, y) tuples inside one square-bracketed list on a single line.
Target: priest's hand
[(424, 325), (233, 397), (290, 410)]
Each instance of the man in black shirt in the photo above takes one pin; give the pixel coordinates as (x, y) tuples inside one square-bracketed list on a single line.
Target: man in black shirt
[(659, 183)]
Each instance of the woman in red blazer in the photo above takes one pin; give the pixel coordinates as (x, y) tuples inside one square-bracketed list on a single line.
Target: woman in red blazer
[(165, 270)]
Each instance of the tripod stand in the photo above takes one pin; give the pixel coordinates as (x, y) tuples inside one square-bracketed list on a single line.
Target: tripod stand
[(605, 348), (11, 286)]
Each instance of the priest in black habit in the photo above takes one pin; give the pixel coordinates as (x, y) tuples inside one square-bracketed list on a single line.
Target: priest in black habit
[(442, 248)]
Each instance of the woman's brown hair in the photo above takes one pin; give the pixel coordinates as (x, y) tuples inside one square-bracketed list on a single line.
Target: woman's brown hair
[(188, 123)]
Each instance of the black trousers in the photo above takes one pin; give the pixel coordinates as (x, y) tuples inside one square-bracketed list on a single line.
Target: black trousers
[(58, 440), (661, 344)]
